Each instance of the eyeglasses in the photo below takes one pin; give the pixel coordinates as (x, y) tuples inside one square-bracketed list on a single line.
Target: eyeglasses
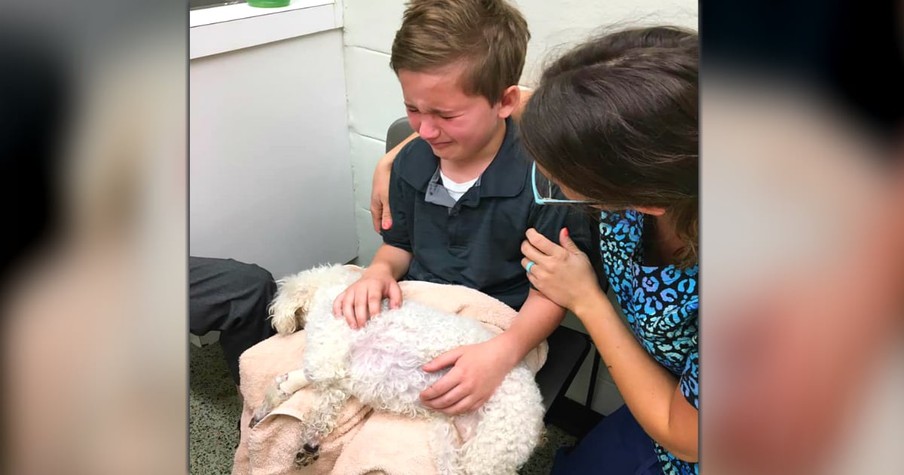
[(545, 190)]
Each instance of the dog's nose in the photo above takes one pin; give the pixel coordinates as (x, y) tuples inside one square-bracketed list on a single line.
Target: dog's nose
[(311, 448)]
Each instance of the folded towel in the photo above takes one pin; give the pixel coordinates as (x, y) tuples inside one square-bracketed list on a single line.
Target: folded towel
[(364, 441)]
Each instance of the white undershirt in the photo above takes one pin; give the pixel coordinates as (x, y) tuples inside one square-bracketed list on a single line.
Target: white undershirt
[(455, 189)]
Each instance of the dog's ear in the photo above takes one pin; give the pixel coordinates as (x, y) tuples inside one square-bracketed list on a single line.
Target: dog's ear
[(290, 306), (301, 313), (353, 268)]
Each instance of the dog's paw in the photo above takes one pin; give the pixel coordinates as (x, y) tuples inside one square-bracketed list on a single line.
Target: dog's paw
[(274, 397), (308, 455)]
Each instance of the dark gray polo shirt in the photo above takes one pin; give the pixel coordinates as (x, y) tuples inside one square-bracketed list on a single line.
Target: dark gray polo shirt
[(475, 242)]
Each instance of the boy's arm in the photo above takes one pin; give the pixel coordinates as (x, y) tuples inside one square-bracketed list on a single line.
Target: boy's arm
[(362, 300), (537, 319), (379, 196), (389, 261), (539, 316), (479, 369)]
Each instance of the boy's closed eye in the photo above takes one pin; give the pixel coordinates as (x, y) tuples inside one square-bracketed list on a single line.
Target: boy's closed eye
[(440, 114)]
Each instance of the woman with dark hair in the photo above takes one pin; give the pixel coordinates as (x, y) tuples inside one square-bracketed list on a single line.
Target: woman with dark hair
[(613, 123)]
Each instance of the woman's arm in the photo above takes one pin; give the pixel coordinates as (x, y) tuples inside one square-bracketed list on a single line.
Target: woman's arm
[(379, 195), (651, 392), (564, 274)]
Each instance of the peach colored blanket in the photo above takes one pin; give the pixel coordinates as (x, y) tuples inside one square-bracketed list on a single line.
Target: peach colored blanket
[(364, 441)]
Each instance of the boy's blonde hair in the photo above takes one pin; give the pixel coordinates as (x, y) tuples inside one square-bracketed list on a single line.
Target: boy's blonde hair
[(488, 36)]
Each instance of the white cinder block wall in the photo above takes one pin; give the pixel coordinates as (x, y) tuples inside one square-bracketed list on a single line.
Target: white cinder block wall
[(375, 99)]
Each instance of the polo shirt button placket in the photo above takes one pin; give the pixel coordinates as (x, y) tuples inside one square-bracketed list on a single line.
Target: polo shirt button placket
[(454, 226)]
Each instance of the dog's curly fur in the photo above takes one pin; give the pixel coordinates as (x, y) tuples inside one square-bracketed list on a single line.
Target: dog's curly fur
[(381, 366)]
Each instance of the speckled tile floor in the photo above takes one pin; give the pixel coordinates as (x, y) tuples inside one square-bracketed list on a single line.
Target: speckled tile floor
[(214, 411)]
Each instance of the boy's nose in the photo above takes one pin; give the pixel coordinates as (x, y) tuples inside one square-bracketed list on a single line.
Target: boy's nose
[(427, 130)]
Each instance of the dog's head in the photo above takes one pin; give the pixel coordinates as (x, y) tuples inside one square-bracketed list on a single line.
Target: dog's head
[(295, 293)]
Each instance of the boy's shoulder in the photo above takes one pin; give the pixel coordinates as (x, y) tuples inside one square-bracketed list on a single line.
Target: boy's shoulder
[(417, 148), (508, 175), (415, 163)]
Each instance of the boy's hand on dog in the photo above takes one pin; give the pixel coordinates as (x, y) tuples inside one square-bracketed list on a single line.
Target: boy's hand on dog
[(361, 301), (477, 370)]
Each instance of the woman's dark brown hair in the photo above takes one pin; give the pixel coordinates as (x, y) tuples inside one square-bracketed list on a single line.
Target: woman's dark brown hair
[(615, 120)]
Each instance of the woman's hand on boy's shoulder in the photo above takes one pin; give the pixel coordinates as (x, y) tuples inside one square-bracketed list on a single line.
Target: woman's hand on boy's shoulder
[(379, 195)]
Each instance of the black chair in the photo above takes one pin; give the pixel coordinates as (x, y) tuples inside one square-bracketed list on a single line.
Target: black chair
[(398, 131), (567, 348)]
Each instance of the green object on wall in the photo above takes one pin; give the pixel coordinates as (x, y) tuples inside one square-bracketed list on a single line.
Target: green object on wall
[(268, 3)]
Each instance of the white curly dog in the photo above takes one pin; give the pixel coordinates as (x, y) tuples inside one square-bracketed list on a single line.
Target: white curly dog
[(380, 365)]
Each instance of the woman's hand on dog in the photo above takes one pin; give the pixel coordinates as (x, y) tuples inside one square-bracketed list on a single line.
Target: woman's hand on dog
[(362, 300), (477, 370)]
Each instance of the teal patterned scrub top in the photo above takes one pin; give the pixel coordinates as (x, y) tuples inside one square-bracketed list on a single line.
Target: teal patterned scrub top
[(661, 305)]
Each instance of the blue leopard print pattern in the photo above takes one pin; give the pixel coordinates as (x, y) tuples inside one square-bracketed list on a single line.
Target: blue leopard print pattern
[(660, 304)]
